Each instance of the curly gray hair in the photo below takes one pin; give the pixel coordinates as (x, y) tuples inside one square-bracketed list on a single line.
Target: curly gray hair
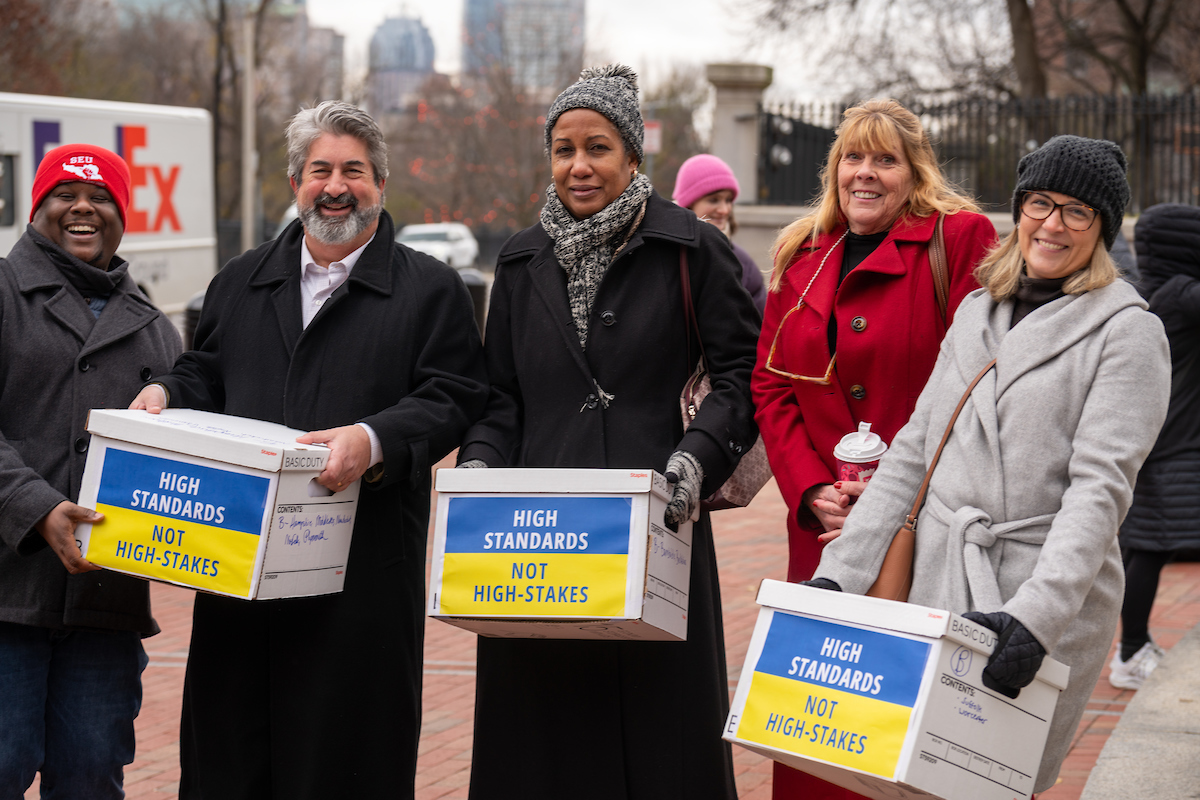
[(340, 119)]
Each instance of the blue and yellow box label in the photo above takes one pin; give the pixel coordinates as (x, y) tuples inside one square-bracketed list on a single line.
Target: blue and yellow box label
[(179, 522), (834, 692), (539, 556)]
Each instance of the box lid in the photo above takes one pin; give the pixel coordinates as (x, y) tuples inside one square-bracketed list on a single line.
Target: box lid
[(856, 608), (545, 481), (889, 615), (233, 440)]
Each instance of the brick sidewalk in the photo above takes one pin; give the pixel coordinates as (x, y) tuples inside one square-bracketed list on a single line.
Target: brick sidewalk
[(751, 545)]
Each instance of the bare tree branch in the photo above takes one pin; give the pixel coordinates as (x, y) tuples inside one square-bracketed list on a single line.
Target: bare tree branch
[(988, 47)]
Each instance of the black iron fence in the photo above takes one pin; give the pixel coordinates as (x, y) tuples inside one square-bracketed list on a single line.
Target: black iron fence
[(979, 143)]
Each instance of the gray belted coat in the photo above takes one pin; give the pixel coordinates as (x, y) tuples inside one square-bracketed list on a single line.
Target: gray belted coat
[(1024, 506)]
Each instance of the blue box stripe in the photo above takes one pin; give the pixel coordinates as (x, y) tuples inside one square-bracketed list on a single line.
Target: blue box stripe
[(897, 661), (134, 481), (507, 525)]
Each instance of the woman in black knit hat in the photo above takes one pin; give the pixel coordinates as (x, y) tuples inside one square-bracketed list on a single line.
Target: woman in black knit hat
[(1019, 527), (588, 350)]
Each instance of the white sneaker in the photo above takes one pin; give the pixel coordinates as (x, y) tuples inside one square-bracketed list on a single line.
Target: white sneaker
[(1132, 674)]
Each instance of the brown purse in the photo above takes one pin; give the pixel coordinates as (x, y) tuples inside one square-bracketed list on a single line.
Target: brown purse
[(896, 572)]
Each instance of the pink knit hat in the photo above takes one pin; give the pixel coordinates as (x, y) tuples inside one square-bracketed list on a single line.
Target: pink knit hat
[(701, 175)]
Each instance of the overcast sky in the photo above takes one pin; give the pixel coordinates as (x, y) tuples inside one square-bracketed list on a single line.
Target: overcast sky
[(649, 35)]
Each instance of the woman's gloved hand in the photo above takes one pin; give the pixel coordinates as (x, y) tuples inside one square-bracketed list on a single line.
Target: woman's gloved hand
[(822, 583), (683, 470), (1017, 657), (474, 463)]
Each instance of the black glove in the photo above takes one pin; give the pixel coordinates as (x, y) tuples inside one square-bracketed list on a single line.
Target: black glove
[(822, 583), (1017, 657), (683, 470)]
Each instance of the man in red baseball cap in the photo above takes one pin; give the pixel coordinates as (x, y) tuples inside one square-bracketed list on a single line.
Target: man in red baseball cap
[(75, 334)]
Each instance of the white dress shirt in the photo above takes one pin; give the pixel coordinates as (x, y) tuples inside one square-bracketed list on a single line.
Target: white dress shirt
[(317, 283)]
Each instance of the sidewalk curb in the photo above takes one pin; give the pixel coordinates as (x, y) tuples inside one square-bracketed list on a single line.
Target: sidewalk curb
[(1155, 749)]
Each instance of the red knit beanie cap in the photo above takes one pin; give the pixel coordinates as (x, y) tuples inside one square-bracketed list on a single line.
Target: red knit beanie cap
[(702, 175), (86, 163)]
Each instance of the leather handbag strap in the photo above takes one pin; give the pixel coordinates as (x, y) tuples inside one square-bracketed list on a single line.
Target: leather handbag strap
[(689, 310), (911, 521), (939, 265)]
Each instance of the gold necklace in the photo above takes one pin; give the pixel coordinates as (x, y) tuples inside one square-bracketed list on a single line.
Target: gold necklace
[(821, 266)]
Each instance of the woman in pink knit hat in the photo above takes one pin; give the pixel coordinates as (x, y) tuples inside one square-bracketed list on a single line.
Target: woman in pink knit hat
[(707, 186)]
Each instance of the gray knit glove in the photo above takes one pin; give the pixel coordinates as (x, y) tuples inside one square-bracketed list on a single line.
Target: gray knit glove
[(683, 470), (474, 463)]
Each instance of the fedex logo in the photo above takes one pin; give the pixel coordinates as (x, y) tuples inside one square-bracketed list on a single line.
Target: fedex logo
[(131, 138), (47, 134)]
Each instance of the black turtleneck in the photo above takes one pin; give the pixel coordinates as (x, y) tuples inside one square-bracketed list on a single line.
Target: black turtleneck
[(1033, 293), (858, 247)]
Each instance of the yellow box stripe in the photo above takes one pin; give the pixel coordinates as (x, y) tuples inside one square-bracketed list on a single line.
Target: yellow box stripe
[(125, 539), (519, 584), (789, 715)]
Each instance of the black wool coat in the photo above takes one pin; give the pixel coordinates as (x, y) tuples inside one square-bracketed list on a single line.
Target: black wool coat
[(1165, 515), (321, 697), (57, 362), (600, 719)]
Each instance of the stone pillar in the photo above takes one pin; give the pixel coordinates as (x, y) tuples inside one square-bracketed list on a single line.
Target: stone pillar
[(735, 136)]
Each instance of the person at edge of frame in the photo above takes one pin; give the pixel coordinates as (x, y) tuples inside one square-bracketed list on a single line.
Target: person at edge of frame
[(76, 333)]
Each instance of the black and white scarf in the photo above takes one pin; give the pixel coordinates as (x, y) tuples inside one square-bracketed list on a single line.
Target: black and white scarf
[(586, 247)]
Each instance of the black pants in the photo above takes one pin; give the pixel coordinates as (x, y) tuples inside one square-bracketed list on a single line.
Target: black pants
[(1142, 568)]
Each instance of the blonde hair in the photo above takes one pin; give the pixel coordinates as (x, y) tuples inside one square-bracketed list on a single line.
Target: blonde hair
[(1001, 270), (880, 125)]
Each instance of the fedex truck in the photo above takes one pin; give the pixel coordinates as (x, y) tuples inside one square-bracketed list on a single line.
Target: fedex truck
[(170, 237)]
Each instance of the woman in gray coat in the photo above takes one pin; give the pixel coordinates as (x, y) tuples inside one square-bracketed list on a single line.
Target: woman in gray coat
[(1019, 528)]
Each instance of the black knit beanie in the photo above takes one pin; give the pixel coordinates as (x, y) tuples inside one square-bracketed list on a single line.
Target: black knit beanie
[(610, 90), (1090, 170)]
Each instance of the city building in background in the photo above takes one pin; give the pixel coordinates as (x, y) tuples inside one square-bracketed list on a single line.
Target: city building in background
[(322, 52), (537, 43), (400, 62)]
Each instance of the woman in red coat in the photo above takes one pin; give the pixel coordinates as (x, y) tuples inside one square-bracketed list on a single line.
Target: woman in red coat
[(852, 324)]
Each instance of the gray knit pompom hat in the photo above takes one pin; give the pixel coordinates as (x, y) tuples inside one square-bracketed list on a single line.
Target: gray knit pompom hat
[(1090, 170), (611, 90)]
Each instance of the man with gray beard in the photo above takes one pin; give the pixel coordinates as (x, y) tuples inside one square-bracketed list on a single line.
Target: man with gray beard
[(336, 329)]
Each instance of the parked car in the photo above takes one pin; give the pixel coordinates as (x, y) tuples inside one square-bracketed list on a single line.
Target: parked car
[(290, 214), (449, 242)]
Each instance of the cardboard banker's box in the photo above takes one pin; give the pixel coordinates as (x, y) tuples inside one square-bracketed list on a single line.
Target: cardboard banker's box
[(559, 554), (887, 699), (223, 504)]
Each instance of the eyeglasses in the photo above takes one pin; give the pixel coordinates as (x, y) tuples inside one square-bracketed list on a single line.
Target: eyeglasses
[(1075, 216), (828, 377), (823, 381)]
